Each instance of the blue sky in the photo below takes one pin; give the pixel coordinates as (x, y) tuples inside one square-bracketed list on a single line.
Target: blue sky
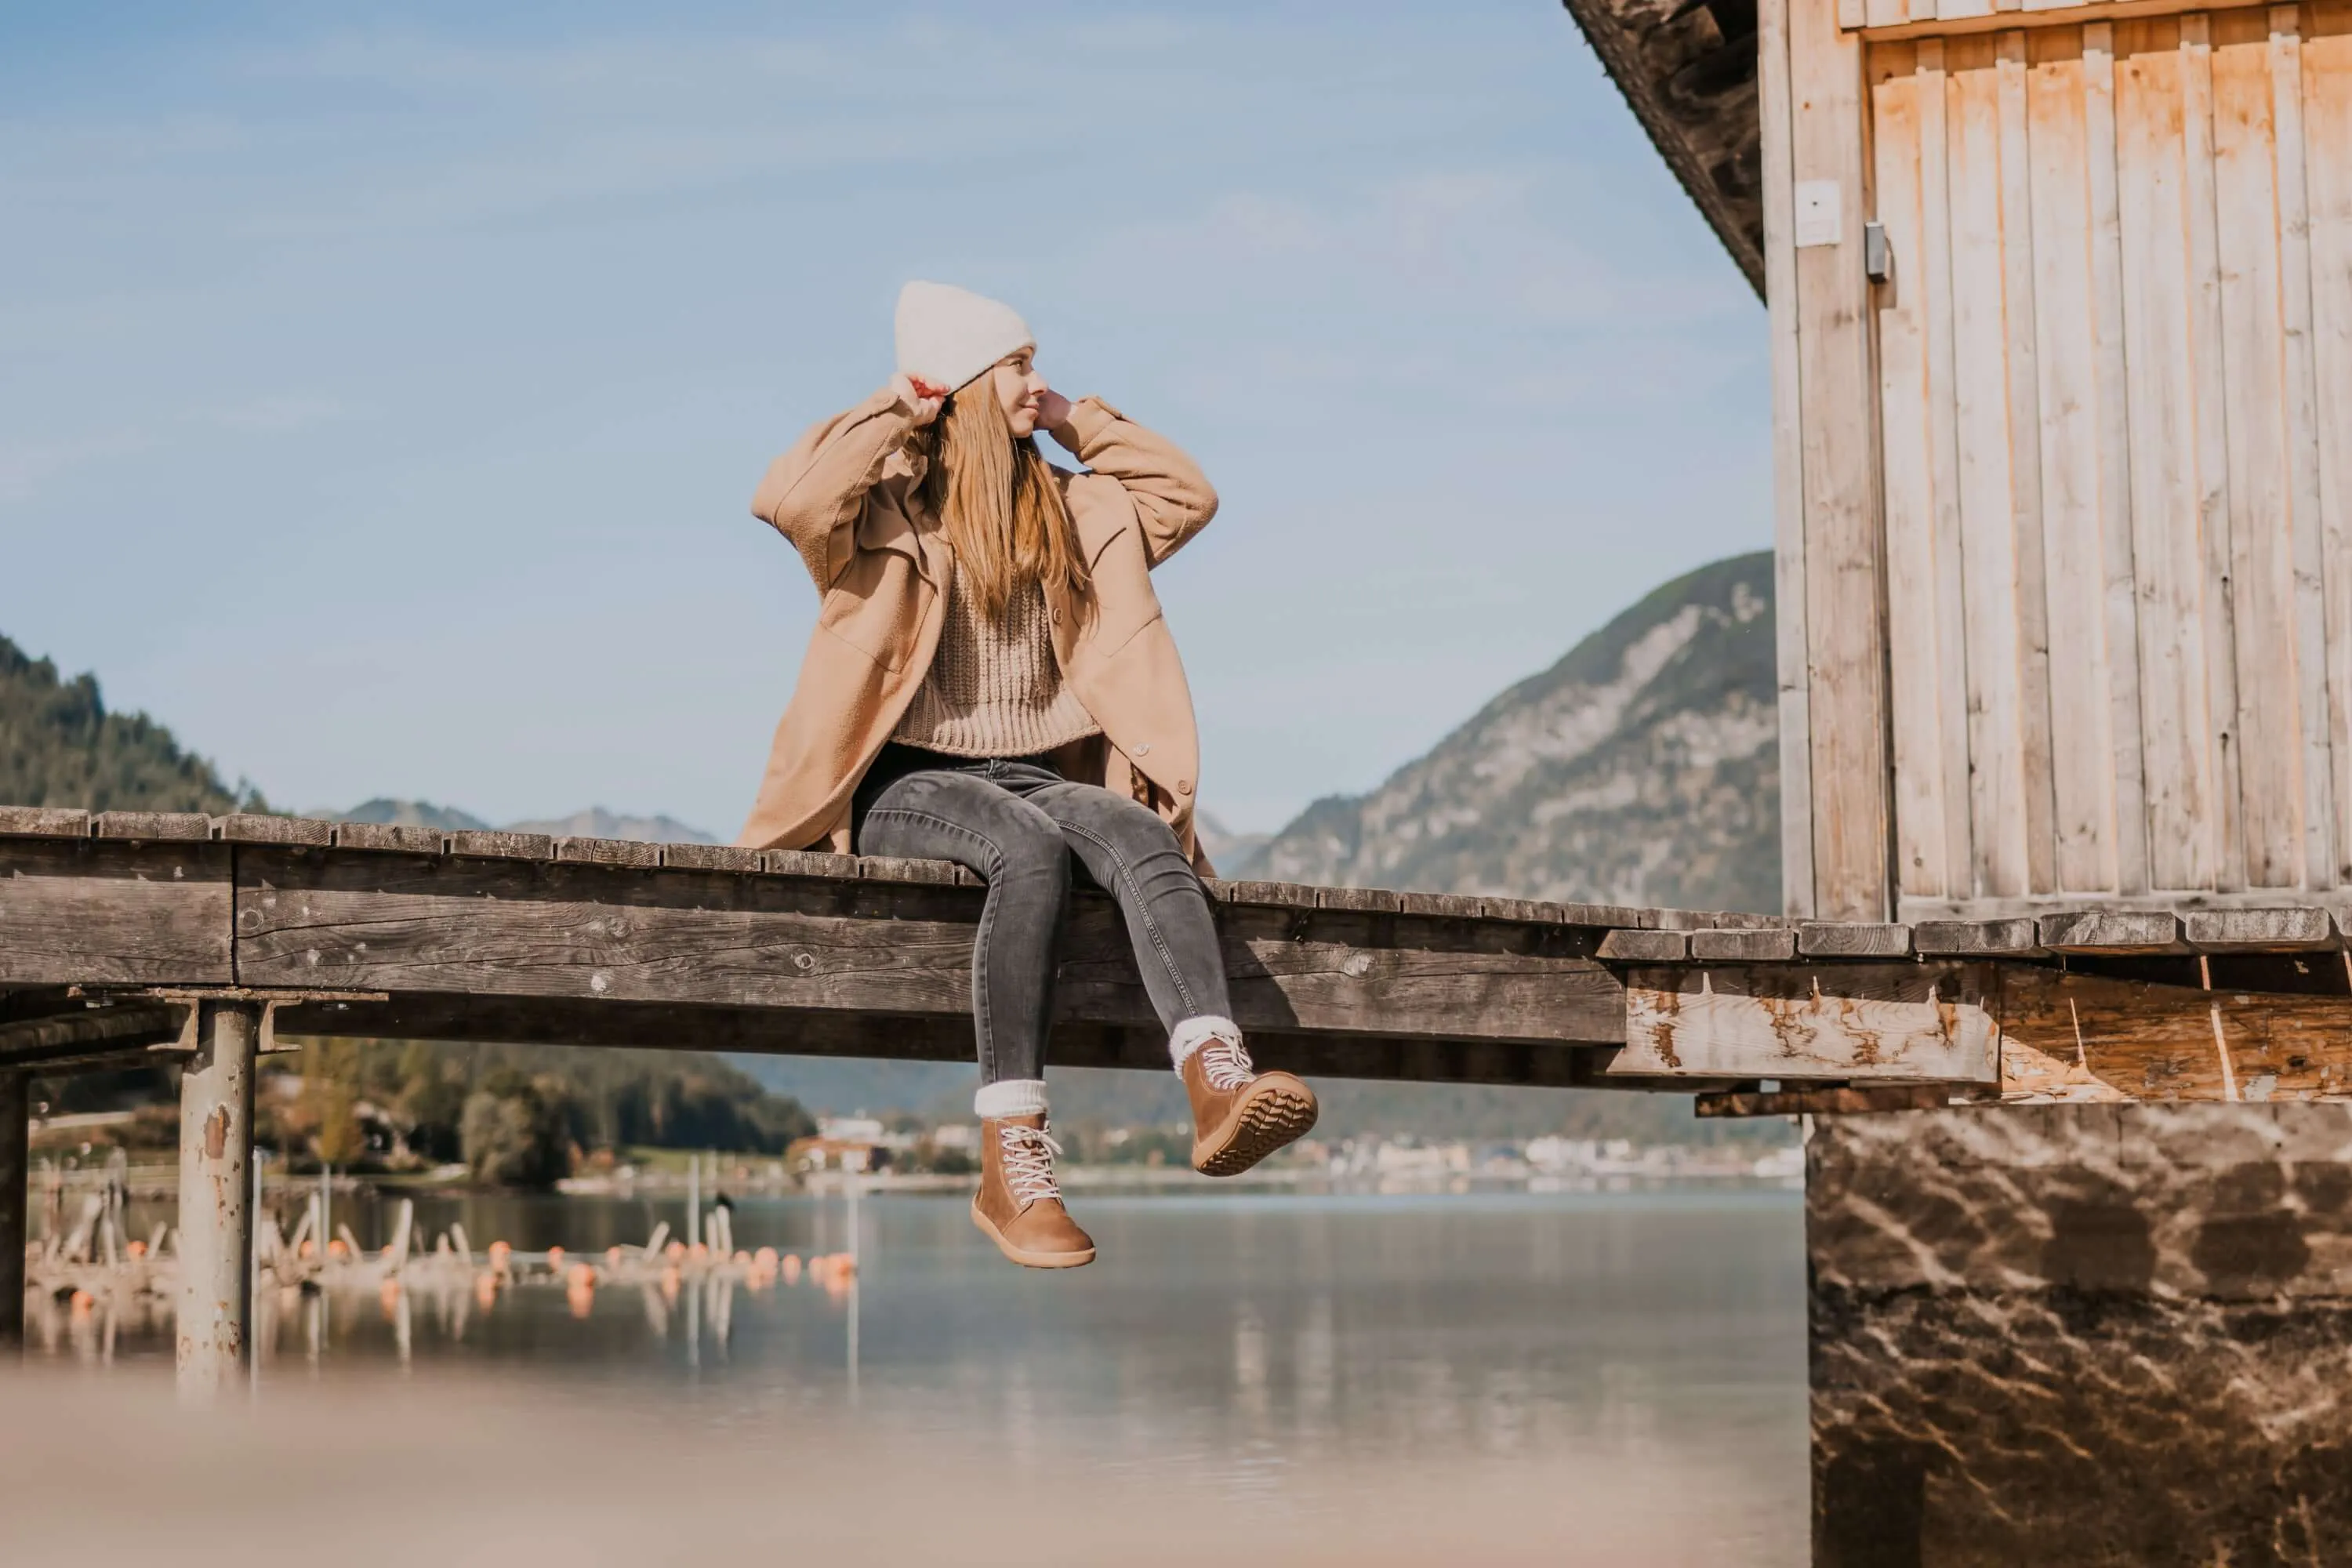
[(383, 388)]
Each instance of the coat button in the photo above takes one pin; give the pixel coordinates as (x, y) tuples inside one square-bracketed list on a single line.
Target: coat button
[(1183, 786)]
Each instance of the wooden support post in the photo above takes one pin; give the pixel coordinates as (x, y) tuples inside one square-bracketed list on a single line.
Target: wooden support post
[(16, 1143), (217, 1197)]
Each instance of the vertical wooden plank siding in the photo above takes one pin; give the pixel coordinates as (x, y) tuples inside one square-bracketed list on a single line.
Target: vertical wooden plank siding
[(1915, 673), (2261, 574), (2025, 465), (1793, 647), (1943, 456), (2208, 397), (1844, 542), (2113, 423), (2152, 201), (2082, 757), (1988, 534), (2300, 394), (2327, 179)]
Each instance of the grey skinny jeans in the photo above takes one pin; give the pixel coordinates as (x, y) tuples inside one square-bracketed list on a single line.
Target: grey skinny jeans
[(1016, 822)]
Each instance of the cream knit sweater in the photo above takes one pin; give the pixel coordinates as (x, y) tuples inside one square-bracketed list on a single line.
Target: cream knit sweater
[(994, 688)]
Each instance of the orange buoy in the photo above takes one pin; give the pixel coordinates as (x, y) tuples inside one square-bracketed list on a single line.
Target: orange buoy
[(136, 1247), (581, 1278), (792, 1267), (486, 1288), (83, 1301), (673, 1250), (766, 1257), (582, 1299), (612, 1257), (555, 1260), (336, 1248)]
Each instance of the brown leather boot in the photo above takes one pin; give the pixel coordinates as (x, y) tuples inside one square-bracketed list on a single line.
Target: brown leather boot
[(1240, 1116), (1018, 1205)]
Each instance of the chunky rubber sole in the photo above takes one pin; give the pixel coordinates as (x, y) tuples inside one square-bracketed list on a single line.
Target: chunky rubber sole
[(1023, 1256), (1276, 1110)]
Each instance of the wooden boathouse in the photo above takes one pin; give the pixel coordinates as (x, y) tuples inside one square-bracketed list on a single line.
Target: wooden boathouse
[(2061, 324)]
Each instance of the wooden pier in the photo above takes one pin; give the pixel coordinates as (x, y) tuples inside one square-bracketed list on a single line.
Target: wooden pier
[(122, 934)]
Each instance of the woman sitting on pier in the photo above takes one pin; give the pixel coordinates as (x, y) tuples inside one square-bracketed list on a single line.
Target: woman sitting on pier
[(990, 682)]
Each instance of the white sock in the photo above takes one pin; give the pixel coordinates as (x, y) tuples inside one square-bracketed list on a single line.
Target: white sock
[(1010, 1097), (1193, 1033)]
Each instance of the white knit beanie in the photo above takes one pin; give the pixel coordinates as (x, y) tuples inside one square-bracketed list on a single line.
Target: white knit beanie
[(947, 335)]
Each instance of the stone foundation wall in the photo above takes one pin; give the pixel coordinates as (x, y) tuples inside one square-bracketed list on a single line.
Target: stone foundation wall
[(2082, 1335)]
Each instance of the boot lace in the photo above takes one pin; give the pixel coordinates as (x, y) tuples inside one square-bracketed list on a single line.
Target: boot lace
[(1029, 1162), (1226, 1063)]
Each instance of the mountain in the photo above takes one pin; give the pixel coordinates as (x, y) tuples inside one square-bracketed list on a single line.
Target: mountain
[(407, 814), (60, 746), (593, 823), (597, 823), (1226, 847), (1642, 768)]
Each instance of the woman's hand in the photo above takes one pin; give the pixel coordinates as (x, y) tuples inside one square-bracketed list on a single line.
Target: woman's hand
[(920, 395), (1053, 410)]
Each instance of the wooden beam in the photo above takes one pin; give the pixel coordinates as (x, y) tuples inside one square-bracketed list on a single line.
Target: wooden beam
[(490, 928), (86, 911), (1913, 1022)]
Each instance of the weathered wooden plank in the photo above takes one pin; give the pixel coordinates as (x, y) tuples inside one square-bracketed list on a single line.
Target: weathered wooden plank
[(2209, 400), (154, 826), (802, 863), (1852, 939), (886, 868), (1369, 900), (2072, 482), (1845, 1022), (396, 838), (2259, 516), (608, 852), (2080, 1038), (1951, 625), (2151, 189), (2299, 395), (247, 827), (1844, 555), (1994, 667), (2305, 926), (2111, 931), (1761, 944), (1791, 622), (712, 857), (1646, 946), (1916, 683), (85, 911), (2327, 181), (88, 1034), (2110, 382), (590, 932), (1439, 906), (1824, 1101), (2017, 937), (2023, 363), (492, 846), (1272, 895), (42, 822)]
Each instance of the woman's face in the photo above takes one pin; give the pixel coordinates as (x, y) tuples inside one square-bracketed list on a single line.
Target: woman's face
[(1019, 390)]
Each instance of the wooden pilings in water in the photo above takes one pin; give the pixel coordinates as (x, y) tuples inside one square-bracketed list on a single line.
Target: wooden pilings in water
[(217, 1197), (16, 1165)]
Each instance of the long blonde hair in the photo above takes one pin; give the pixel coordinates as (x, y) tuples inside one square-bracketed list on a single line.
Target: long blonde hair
[(998, 502)]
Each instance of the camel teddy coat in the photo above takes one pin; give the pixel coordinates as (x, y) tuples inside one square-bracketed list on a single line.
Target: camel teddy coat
[(848, 496)]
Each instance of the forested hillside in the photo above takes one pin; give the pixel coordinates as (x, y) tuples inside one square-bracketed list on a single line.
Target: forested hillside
[(59, 746)]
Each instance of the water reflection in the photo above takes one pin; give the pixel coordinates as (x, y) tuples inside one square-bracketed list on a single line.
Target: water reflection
[(1230, 1338)]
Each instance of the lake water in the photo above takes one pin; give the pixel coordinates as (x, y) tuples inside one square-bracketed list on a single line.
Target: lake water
[(1644, 1350)]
